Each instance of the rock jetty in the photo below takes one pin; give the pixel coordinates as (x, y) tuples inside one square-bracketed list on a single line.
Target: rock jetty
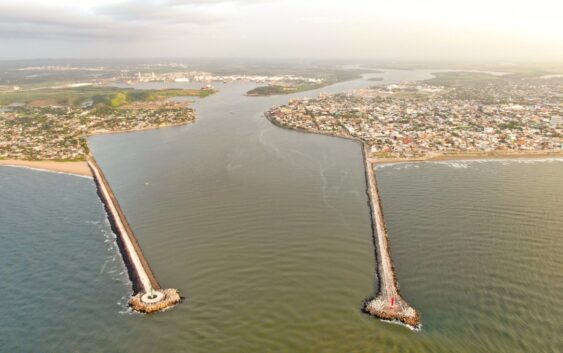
[(148, 296)]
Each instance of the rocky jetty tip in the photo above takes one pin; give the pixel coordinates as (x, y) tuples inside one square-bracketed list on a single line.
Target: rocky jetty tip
[(394, 309), (148, 296)]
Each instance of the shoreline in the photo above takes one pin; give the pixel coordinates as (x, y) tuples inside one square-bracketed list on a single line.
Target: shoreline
[(76, 168), (141, 129), (79, 168), (453, 156)]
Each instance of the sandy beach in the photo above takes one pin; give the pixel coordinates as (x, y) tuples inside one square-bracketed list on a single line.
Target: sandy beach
[(76, 168), (473, 156)]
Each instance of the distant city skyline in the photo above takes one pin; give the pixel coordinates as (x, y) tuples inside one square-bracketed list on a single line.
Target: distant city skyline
[(355, 29)]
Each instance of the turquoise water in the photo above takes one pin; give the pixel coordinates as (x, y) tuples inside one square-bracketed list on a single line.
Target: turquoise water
[(267, 233)]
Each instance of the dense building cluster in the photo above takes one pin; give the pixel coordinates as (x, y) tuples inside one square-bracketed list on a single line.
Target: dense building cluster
[(207, 77), (420, 120), (58, 133)]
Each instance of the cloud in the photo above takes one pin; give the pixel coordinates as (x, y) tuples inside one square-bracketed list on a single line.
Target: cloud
[(164, 12), (175, 11), (54, 22), (281, 28), (128, 19)]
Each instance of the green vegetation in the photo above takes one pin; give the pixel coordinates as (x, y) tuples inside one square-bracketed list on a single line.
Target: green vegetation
[(278, 89), (452, 79), (517, 88), (346, 75), (119, 99), (329, 77), (511, 125), (62, 96), (107, 96), (166, 93)]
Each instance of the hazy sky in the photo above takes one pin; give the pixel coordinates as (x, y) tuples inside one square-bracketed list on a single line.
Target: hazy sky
[(391, 29)]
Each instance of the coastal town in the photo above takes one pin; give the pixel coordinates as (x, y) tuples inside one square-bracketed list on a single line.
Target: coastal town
[(59, 132), (170, 73), (426, 120), (208, 77)]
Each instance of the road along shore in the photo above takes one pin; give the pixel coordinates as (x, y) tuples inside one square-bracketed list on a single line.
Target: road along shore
[(148, 296)]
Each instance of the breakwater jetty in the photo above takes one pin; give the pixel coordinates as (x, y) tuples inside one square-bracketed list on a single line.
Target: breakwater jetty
[(388, 303), (148, 296)]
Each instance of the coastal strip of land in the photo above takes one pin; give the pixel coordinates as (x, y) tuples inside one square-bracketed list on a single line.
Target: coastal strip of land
[(75, 168), (421, 121), (41, 130), (79, 167), (148, 296)]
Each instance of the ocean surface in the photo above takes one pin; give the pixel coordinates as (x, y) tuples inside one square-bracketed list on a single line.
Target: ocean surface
[(267, 233)]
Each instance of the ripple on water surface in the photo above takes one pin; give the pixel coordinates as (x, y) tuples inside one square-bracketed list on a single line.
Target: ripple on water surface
[(270, 241), (480, 247)]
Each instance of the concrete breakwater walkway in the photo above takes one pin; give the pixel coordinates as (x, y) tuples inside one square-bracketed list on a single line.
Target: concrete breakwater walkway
[(388, 303), (148, 296)]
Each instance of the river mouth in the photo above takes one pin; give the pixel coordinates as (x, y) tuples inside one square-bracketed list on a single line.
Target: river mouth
[(267, 233)]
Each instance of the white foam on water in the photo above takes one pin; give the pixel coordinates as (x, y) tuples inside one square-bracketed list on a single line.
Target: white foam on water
[(454, 164), (398, 322), (464, 164), (125, 309), (399, 165), (116, 269), (266, 142), (468, 163)]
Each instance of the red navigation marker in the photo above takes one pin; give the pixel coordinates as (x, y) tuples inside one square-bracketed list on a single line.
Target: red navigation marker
[(392, 301)]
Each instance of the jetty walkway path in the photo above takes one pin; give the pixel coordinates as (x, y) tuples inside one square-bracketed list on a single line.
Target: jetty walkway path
[(388, 303), (148, 296)]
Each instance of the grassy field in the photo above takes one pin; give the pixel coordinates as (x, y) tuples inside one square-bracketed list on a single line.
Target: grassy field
[(277, 89), (109, 96), (154, 95)]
